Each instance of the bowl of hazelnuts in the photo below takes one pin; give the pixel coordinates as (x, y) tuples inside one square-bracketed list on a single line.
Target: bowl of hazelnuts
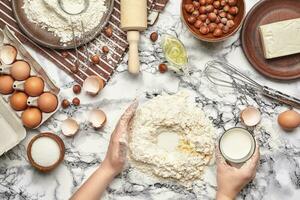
[(213, 20)]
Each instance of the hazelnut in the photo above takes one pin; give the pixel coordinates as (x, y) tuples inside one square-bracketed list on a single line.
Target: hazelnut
[(226, 8), (232, 2), (207, 21), (212, 17), (220, 25), (216, 11), (95, 59), (198, 24), (202, 10), (202, 17), (191, 19), (224, 21), (76, 89), (154, 36), (209, 2), (202, 2), (189, 8), (108, 31), (229, 16), (233, 10), (217, 32), (76, 101), (195, 13), (105, 49), (204, 30), (65, 104), (65, 54), (212, 27), (222, 14), (74, 69), (209, 8), (217, 4), (218, 20), (225, 29), (162, 68), (196, 4), (223, 2), (230, 23)]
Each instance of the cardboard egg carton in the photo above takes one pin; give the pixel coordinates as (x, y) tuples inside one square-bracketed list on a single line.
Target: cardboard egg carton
[(10, 120)]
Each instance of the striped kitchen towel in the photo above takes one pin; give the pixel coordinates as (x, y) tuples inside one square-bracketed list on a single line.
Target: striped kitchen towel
[(66, 60)]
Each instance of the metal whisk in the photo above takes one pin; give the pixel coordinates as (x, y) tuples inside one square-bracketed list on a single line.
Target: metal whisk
[(226, 75)]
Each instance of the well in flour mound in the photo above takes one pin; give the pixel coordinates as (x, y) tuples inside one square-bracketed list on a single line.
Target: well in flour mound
[(49, 15), (188, 136)]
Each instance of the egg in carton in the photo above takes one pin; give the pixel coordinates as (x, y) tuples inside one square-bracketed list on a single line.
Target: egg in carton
[(25, 89)]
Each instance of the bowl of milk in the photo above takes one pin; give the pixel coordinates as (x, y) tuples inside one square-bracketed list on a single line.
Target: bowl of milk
[(237, 145)]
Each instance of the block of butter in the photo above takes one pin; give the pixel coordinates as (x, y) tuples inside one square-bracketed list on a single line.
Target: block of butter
[(281, 38)]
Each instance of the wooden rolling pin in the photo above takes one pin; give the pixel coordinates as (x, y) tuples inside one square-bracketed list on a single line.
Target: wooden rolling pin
[(133, 20)]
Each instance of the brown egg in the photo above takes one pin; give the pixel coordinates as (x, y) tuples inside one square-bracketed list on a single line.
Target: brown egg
[(6, 84), (20, 70), (18, 101), (31, 117), (289, 120), (47, 102), (34, 86)]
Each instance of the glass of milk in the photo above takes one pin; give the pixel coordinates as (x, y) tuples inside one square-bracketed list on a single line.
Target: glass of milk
[(237, 145)]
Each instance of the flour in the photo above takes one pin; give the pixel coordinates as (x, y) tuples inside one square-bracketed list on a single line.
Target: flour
[(179, 122), (49, 15)]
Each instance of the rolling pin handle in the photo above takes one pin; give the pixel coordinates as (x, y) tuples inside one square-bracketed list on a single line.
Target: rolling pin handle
[(133, 38)]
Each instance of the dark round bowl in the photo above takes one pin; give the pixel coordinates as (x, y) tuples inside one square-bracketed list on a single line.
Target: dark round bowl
[(209, 37)]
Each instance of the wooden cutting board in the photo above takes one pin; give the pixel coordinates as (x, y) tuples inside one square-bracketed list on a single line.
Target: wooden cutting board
[(265, 12)]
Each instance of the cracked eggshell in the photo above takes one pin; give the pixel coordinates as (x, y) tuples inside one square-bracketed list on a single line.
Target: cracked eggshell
[(250, 116), (8, 54), (69, 127), (97, 118), (92, 85)]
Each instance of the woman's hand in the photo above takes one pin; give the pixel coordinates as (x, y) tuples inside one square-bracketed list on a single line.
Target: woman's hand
[(232, 180), (117, 149)]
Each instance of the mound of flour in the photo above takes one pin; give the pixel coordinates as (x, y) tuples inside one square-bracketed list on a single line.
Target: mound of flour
[(49, 15), (171, 138)]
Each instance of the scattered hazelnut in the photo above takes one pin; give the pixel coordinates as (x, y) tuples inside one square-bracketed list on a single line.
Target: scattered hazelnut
[(202, 17), (202, 2), (232, 2), (225, 29), (217, 32), (209, 8), (204, 30), (212, 27), (233, 10), (196, 4), (198, 24), (65, 54), (202, 9), (162, 68), (65, 104), (154, 36), (212, 17), (189, 8), (108, 31), (191, 19), (105, 49), (217, 4), (74, 69), (95, 59), (76, 101), (76, 89)]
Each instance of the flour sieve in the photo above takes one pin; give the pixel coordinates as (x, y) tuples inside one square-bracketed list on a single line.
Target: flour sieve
[(226, 75)]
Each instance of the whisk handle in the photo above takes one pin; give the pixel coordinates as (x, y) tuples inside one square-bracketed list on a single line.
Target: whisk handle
[(284, 98)]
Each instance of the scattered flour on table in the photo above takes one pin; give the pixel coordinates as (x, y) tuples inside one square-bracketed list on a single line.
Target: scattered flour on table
[(171, 138), (49, 15)]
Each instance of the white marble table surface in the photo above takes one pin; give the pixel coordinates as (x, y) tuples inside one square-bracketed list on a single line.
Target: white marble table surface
[(278, 175)]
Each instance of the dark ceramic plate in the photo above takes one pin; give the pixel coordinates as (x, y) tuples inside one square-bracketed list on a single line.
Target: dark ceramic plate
[(265, 12), (48, 39)]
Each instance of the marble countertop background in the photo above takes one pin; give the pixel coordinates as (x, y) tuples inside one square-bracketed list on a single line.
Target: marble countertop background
[(278, 175)]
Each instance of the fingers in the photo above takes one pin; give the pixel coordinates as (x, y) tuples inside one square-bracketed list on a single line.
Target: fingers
[(219, 158), (128, 114)]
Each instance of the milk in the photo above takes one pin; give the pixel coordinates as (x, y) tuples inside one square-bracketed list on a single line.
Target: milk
[(45, 151), (237, 145)]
